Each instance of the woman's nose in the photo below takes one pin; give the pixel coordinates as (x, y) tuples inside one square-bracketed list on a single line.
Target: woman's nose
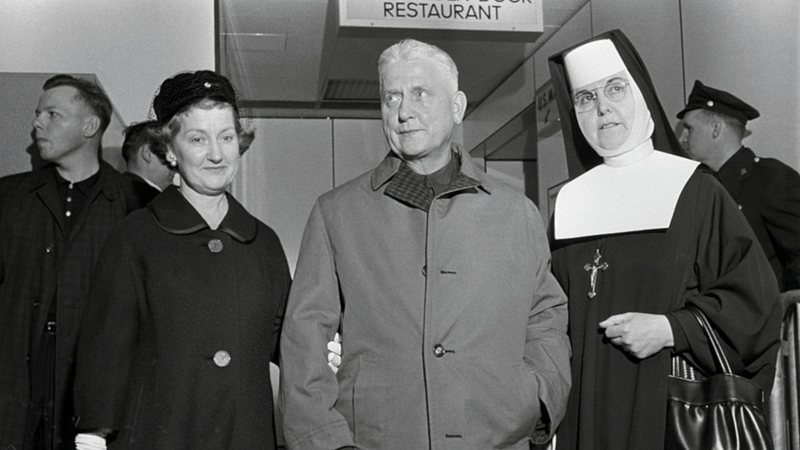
[(214, 152)]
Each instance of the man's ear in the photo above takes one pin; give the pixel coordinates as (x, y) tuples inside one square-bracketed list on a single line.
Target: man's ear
[(147, 155), (459, 107), (716, 129), (91, 126)]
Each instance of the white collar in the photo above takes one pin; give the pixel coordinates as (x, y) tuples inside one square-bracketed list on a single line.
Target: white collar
[(151, 183), (636, 196)]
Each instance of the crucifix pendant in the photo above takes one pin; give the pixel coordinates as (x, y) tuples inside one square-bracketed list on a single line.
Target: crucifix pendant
[(592, 269)]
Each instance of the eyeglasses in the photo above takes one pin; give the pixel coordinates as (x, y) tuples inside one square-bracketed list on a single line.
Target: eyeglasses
[(587, 100)]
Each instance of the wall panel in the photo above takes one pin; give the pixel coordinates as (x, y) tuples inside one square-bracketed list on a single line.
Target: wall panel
[(358, 146), (654, 28), (286, 169), (754, 54)]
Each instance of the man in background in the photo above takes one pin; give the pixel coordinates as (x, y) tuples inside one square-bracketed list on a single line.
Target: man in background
[(53, 222), (767, 190), (145, 156)]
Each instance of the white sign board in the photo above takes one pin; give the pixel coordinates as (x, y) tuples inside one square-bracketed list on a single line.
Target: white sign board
[(473, 15)]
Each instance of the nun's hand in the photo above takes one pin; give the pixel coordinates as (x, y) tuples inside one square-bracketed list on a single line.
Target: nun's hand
[(639, 334)]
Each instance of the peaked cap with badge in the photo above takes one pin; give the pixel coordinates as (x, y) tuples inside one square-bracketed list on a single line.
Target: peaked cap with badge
[(706, 97)]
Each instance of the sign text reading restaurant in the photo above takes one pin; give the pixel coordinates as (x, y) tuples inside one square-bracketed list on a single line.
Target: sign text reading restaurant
[(495, 15)]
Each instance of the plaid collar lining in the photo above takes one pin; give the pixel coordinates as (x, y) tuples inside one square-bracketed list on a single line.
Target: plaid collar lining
[(415, 190)]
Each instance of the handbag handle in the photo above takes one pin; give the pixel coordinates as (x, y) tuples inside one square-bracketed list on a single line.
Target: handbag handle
[(716, 347)]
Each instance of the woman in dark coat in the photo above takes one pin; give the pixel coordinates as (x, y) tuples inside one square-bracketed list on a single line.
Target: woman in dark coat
[(185, 308)]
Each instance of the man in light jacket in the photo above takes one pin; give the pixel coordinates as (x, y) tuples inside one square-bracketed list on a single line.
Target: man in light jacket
[(438, 277)]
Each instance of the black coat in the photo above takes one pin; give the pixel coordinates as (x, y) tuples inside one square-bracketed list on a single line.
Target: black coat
[(144, 191), (168, 297), (40, 264), (768, 193)]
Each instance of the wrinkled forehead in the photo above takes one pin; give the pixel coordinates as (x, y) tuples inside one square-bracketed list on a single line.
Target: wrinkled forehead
[(592, 62)]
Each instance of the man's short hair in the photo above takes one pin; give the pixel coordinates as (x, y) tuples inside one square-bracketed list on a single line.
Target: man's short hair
[(735, 125), (411, 49), (89, 92), (140, 134)]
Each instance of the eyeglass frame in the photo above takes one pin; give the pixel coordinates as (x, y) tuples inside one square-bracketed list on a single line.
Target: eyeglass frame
[(614, 83)]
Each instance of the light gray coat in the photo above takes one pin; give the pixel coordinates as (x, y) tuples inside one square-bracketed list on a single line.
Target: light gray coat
[(454, 329)]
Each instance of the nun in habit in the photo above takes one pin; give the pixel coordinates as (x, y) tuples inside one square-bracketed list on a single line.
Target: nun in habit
[(636, 239)]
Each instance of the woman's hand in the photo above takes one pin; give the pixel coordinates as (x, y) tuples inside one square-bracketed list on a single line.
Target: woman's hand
[(335, 353), (90, 441), (639, 334)]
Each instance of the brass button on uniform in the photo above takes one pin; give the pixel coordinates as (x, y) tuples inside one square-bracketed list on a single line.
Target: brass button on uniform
[(425, 271), (50, 248), (438, 350), (222, 358), (215, 245)]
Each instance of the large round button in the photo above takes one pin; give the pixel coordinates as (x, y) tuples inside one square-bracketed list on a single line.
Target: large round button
[(222, 358), (215, 245), (438, 350)]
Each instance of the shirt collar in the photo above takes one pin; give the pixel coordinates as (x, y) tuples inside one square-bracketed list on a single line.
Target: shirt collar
[(84, 186), (146, 180), (176, 215), (106, 180)]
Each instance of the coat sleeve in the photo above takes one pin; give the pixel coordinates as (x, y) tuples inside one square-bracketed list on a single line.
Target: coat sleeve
[(281, 295), (547, 347), (734, 286), (308, 387), (108, 340), (781, 214)]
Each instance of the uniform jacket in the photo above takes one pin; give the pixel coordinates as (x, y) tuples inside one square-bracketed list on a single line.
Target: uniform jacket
[(39, 263), (181, 325), (453, 328), (768, 193)]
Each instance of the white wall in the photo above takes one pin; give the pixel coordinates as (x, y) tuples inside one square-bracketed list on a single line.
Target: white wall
[(131, 45), (293, 161), (550, 152), (753, 53), (748, 47), (654, 28)]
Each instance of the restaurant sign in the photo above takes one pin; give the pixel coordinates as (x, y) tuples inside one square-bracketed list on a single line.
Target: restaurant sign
[(469, 15)]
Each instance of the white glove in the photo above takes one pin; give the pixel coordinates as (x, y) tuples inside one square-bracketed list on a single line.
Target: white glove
[(89, 441), (335, 353)]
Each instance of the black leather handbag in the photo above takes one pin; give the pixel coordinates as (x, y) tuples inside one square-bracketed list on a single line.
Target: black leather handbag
[(724, 411)]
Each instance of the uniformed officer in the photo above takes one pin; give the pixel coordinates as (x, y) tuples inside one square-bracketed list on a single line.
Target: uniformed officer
[(767, 190)]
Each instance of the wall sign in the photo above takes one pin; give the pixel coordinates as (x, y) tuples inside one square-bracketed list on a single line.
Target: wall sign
[(474, 15), (547, 119)]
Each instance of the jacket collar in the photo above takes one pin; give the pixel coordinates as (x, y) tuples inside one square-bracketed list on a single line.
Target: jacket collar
[(738, 166), (469, 173), (176, 215), (47, 176)]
